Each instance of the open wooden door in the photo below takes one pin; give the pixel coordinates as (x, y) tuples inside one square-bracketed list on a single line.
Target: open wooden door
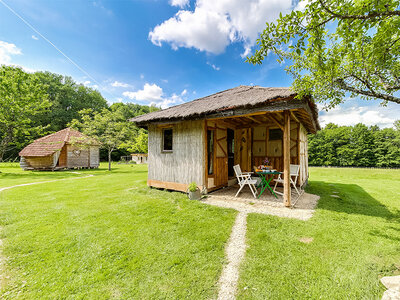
[(243, 146), (221, 157)]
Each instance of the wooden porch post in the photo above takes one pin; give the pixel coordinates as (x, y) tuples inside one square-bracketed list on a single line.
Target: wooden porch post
[(286, 159)]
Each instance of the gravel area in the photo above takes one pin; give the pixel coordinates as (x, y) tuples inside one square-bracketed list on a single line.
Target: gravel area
[(235, 252), (267, 204)]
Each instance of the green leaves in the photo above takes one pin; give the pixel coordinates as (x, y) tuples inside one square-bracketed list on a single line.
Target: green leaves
[(338, 47), (22, 96)]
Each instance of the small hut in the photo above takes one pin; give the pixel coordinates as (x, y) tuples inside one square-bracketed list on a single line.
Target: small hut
[(201, 140), (139, 158), (65, 149)]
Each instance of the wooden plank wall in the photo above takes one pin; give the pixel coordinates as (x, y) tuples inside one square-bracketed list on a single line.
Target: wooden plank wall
[(77, 161), (185, 164), (94, 156), (40, 162)]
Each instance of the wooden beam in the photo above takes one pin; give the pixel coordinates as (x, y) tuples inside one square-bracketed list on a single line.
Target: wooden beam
[(255, 120), (294, 116), (277, 122), (286, 160)]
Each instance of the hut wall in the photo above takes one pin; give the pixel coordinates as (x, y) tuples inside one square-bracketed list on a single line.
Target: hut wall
[(38, 162), (303, 153), (77, 157), (94, 156), (184, 164)]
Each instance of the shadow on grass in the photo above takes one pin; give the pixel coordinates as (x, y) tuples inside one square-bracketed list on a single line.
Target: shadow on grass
[(351, 199)]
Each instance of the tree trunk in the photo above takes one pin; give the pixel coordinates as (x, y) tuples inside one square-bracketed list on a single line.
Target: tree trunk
[(109, 160)]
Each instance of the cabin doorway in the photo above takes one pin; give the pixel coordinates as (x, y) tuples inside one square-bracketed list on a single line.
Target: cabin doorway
[(217, 157)]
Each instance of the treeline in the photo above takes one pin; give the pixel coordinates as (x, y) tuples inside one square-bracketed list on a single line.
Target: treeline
[(35, 104), (358, 146)]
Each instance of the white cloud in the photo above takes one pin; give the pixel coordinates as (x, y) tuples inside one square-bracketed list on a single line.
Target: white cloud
[(152, 94), (141, 76), (35, 37), (7, 50), (119, 84), (180, 3), (213, 66), (213, 25), (368, 115), (87, 82)]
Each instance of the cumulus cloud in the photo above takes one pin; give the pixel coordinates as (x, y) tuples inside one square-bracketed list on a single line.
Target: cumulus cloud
[(213, 25), (119, 84), (180, 3), (381, 116), (7, 50), (152, 94)]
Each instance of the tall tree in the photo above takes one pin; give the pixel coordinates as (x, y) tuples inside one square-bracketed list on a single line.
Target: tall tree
[(67, 98), (336, 47), (22, 96), (110, 128)]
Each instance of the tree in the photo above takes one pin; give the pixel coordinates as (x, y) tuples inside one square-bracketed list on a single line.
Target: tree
[(22, 96), (338, 47), (68, 98), (108, 127)]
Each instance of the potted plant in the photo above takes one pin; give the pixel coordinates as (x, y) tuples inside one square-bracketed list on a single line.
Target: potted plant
[(266, 163), (194, 191)]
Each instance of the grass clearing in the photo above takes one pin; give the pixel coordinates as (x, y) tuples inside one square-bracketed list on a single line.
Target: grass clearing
[(356, 240), (109, 236)]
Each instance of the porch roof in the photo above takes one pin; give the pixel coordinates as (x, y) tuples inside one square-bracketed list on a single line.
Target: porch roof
[(236, 101)]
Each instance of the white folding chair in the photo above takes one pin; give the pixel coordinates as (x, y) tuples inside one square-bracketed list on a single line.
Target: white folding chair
[(294, 173), (244, 178)]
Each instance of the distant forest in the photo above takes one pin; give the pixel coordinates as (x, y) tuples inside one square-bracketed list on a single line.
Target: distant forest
[(40, 103), (36, 104), (358, 146)]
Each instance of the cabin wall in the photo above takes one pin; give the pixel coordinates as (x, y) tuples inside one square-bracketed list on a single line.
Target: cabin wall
[(184, 164), (82, 157), (94, 156), (37, 162), (263, 146)]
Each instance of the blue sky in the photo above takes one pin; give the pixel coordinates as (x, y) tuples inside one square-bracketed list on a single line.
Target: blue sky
[(153, 51)]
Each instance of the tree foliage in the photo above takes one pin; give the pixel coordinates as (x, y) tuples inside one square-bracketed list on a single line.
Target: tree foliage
[(22, 96), (337, 47), (108, 127), (358, 145)]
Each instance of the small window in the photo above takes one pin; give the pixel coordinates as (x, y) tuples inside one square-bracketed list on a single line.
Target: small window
[(275, 134), (167, 140)]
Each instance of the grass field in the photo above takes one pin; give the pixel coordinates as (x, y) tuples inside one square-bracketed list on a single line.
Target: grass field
[(109, 236), (356, 240)]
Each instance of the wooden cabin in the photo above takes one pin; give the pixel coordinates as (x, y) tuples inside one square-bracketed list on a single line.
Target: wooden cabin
[(200, 141), (65, 149), (139, 158)]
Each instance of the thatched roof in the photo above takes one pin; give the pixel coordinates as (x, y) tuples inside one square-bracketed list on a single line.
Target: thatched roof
[(51, 143), (232, 99)]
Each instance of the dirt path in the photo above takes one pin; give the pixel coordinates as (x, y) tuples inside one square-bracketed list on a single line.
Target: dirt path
[(40, 182), (235, 252)]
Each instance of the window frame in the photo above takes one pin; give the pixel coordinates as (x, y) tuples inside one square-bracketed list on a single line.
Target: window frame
[(163, 140)]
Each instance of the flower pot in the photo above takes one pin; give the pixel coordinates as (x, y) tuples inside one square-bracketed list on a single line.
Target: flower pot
[(194, 195)]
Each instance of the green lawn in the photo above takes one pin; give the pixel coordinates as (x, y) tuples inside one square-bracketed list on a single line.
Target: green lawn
[(109, 236), (356, 240)]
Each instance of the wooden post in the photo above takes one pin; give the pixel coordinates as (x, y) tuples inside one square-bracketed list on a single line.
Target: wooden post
[(286, 160)]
